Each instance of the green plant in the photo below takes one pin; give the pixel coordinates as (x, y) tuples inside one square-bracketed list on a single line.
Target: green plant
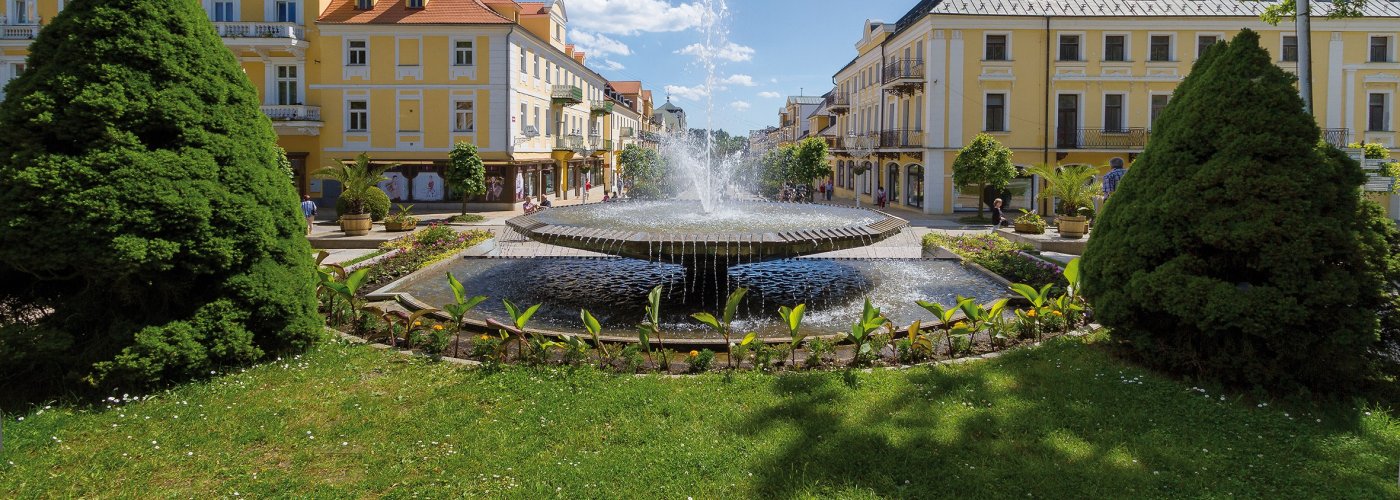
[(593, 327), (377, 201), (983, 162), (1039, 299), (1033, 219), (465, 218), (1371, 150), (435, 341), (403, 216), (818, 350), (944, 315), (741, 350), (524, 347), (651, 327), (575, 349), (357, 180), (1013, 261), (701, 360), (632, 359), (466, 173), (146, 215), (792, 319), (870, 321), (460, 306), (731, 306), (486, 347), (349, 290), (997, 324), (1073, 185)]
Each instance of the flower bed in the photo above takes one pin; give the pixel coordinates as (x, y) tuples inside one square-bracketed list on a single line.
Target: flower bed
[(1014, 261), (423, 248)]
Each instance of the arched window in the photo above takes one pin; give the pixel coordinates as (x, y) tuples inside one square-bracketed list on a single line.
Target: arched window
[(892, 182), (914, 186), (869, 178), (851, 176), (841, 173)]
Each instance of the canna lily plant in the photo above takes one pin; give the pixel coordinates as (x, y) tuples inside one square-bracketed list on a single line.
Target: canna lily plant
[(459, 308), (731, 306), (593, 327), (792, 319), (1038, 299), (519, 318), (945, 317), (870, 321)]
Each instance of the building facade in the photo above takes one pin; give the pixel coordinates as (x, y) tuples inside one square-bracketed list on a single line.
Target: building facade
[(1070, 83), (405, 80)]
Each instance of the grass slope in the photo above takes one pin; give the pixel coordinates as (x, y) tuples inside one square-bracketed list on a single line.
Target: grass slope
[(1065, 421)]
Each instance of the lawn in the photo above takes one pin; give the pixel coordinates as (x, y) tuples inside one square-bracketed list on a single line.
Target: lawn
[(1066, 420)]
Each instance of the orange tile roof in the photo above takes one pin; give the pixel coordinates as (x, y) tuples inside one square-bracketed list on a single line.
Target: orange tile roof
[(394, 12), (646, 94), (627, 87), (530, 8)]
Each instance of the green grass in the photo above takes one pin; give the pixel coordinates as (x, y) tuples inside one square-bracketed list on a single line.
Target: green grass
[(364, 257), (466, 218), (1063, 421)]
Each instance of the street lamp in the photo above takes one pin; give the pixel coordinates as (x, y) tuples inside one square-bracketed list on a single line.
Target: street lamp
[(860, 147)]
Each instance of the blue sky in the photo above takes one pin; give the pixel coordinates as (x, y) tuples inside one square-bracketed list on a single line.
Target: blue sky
[(779, 48)]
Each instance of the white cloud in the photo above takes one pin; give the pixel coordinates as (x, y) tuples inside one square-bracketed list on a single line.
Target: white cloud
[(598, 45), (769, 95), (610, 65), (730, 51), (629, 17), (739, 105), (744, 80), (695, 93)]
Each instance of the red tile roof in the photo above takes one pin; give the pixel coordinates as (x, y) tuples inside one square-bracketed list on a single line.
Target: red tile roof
[(627, 87), (394, 12), (529, 8)]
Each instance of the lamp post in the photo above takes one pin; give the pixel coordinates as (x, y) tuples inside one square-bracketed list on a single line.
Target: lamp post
[(860, 147)]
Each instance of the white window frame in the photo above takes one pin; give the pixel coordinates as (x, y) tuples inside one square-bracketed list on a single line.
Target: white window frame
[(1123, 113), (350, 113), (1281, 45), (1127, 46), (1219, 37), (1389, 47), (356, 70), (461, 71), (349, 51), (1083, 49), (401, 70), (299, 82), (1171, 48), (1005, 112), (31, 8), (989, 34), (524, 60), (209, 6), (1151, 119), (1387, 111), (271, 11)]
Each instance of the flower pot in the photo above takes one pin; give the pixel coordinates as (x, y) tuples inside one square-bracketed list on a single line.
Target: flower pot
[(356, 224), (399, 226), (1025, 228), (1072, 227)]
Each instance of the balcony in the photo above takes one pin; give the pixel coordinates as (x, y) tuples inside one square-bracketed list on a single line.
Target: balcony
[(566, 95), (904, 76), (839, 103), (604, 107), (570, 142), (1097, 138), (263, 35), (627, 132), (1337, 137), (19, 32), (902, 138), (294, 119)]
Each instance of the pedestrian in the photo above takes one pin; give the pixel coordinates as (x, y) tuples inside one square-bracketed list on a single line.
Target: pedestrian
[(1110, 179), (308, 210), (997, 219), (828, 189), (587, 186), (545, 203), (880, 196)]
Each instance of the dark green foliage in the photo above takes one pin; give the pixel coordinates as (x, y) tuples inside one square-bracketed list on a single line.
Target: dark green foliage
[(377, 201), (144, 205), (983, 162), (644, 173), (466, 173), (1236, 248)]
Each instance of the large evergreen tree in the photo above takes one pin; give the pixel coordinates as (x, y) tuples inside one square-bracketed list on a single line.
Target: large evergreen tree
[(1237, 247), (145, 218)]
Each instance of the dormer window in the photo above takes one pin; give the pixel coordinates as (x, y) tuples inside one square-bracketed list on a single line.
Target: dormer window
[(416, 4), (364, 4)]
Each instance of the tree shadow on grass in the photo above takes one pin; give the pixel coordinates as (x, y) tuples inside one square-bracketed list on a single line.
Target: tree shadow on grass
[(1063, 420)]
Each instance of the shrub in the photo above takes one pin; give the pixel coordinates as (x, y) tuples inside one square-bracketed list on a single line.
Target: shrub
[(466, 218), (700, 361), (145, 209), (1236, 247), (378, 205)]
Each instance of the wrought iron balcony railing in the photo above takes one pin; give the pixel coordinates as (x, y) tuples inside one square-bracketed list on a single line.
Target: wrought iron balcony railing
[(291, 31), (902, 138), (904, 69), (1337, 137), (1101, 138), (568, 142)]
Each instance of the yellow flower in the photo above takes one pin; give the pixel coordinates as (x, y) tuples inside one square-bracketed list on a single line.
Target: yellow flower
[(960, 324), (1030, 312), (1057, 313), (417, 323), (437, 327), (483, 337), (694, 353)]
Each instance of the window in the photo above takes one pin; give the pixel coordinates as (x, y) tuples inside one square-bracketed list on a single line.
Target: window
[(364, 4), (357, 53), (1069, 47), (1159, 103), (996, 112), (996, 48), (548, 71), (463, 116), (1203, 43), (23, 11), (536, 123), (1113, 113), (1380, 49), (288, 85), (1290, 48), (522, 119), (286, 11), (462, 54), (1115, 48), (523, 68), (415, 4), (359, 116), (1376, 113), (1160, 48), (537, 66), (223, 12)]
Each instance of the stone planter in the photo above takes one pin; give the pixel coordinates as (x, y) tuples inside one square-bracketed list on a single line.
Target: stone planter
[(1024, 228), (1072, 227), (356, 224), (400, 226)]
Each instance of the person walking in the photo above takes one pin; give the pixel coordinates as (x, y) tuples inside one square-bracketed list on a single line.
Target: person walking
[(880, 196), (308, 210), (997, 219), (587, 186), (828, 189), (1110, 179)]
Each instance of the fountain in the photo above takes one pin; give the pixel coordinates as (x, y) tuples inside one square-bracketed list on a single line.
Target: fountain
[(700, 247)]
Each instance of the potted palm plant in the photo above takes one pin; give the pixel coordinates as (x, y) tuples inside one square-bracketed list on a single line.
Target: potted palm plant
[(401, 221), (357, 180), (1075, 187)]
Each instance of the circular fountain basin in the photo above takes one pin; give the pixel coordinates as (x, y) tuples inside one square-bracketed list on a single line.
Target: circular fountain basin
[(679, 231)]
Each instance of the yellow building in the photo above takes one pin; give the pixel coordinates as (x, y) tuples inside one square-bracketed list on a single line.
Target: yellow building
[(1074, 82), (404, 80)]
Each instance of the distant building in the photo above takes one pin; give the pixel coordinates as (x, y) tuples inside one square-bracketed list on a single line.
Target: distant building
[(670, 119)]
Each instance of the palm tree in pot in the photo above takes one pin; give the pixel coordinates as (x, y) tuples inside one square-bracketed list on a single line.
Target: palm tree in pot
[(357, 179), (1075, 187)]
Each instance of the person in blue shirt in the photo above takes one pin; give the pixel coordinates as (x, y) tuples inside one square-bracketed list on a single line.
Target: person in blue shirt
[(1110, 179), (308, 210)]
